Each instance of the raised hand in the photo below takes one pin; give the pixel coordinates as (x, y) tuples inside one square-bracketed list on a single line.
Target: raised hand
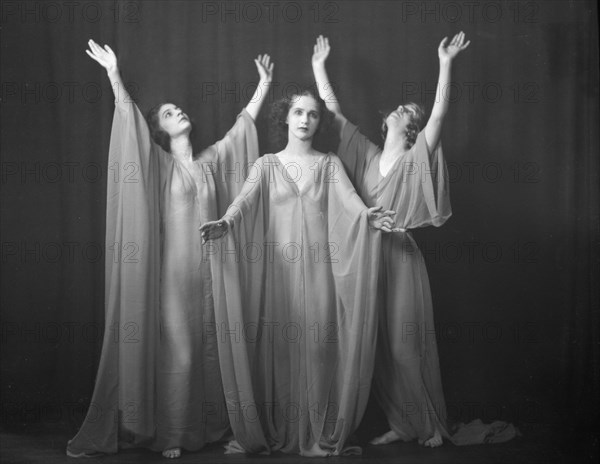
[(457, 45), (105, 56), (320, 51), (265, 71), (380, 219), (214, 230), (265, 67)]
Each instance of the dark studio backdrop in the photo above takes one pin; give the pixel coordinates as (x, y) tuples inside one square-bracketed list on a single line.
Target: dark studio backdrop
[(514, 272)]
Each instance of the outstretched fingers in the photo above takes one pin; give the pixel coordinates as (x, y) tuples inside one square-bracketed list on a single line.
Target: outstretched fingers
[(95, 52), (321, 49), (456, 45), (104, 56), (456, 39), (96, 49), (264, 66), (109, 50), (266, 62), (459, 41), (93, 57)]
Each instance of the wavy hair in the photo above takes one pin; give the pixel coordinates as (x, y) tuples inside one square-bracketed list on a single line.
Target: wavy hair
[(158, 134), (412, 128), (278, 127)]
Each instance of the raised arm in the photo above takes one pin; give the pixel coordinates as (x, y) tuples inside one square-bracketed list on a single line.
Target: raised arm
[(446, 53), (265, 71), (326, 91), (108, 60)]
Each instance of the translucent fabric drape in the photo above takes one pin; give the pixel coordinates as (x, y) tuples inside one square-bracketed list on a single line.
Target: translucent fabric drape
[(294, 288)]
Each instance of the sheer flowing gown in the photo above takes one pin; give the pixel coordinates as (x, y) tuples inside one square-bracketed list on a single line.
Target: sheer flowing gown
[(407, 381), (294, 288), (158, 383)]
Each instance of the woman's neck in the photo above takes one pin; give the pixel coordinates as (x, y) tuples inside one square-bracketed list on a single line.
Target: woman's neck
[(295, 146), (181, 148), (394, 145)]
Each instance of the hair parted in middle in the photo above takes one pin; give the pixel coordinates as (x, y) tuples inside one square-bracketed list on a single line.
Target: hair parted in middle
[(158, 134), (278, 128)]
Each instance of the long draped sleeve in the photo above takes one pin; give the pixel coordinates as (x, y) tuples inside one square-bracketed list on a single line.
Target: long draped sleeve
[(122, 406), (230, 159), (237, 295), (355, 276), (357, 153), (294, 286)]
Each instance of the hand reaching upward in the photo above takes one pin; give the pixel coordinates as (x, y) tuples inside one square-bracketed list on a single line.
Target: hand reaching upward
[(320, 51), (457, 45), (265, 67), (105, 56)]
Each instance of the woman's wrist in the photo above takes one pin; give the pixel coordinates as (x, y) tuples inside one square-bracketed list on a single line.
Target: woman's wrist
[(113, 73), (446, 61), (318, 66)]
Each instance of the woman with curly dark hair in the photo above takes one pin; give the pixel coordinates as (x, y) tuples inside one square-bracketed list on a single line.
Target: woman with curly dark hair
[(278, 127), (409, 176), (158, 384), (295, 276)]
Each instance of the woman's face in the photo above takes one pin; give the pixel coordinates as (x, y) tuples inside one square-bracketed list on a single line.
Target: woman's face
[(173, 120), (303, 117), (398, 119)]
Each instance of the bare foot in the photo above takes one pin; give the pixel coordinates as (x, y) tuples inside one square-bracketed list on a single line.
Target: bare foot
[(172, 453), (233, 447), (75, 453), (434, 441), (389, 437), (315, 451)]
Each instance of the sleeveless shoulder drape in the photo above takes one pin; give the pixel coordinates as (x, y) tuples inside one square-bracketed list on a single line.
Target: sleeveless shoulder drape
[(294, 289), (158, 382)]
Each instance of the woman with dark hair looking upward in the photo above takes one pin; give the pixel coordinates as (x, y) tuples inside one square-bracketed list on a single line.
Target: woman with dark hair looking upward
[(158, 384)]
